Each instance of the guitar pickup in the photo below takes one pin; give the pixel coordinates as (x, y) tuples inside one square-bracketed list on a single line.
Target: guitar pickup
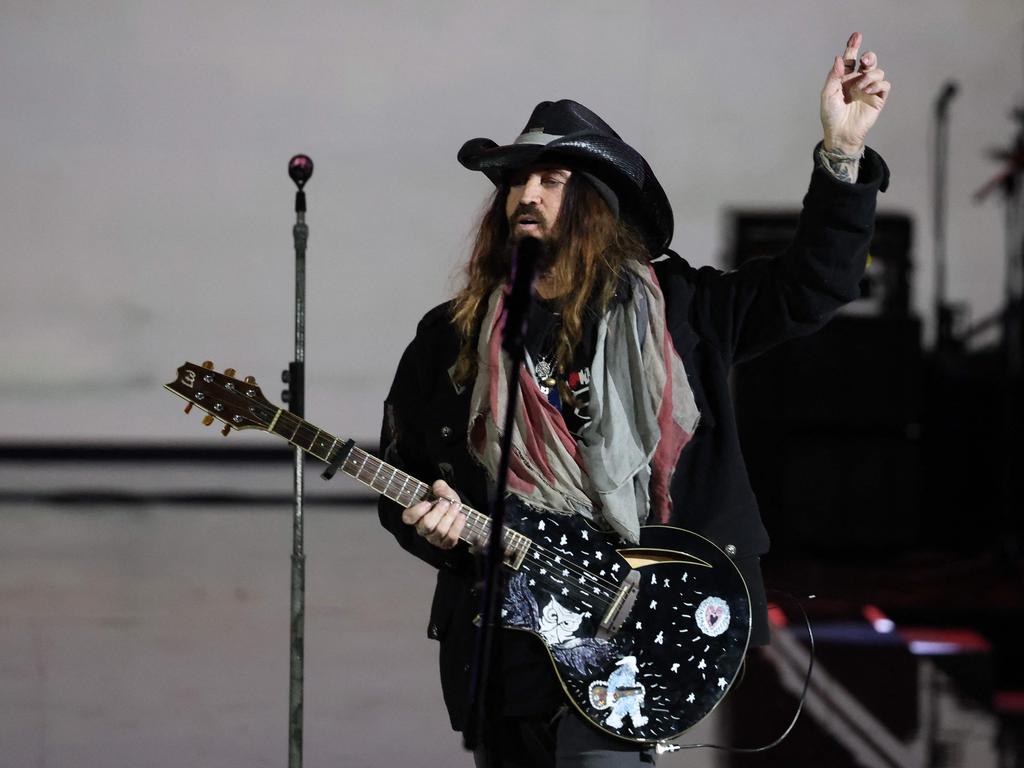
[(621, 606)]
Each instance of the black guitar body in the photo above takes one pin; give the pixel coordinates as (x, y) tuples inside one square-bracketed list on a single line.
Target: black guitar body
[(646, 639), (679, 644)]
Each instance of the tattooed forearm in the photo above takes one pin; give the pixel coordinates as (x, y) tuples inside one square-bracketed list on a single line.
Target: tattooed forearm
[(841, 165)]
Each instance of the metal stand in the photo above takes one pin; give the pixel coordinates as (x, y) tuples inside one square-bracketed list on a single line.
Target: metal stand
[(517, 306), (300, 168), (944, 314)]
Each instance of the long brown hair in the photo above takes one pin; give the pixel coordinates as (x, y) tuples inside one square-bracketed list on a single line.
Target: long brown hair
[(591, 246)]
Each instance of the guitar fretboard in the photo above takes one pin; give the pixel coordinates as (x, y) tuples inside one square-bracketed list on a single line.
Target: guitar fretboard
[(389, 481)]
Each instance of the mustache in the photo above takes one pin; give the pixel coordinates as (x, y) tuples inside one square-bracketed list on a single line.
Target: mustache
[(527, 210)]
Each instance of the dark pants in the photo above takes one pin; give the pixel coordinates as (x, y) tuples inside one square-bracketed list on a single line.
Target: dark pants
[(567, 741)]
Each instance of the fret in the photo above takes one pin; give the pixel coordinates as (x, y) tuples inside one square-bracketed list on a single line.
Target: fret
[(326, 447), (301, 440), (274, 420), (334, 444), (313, 441), (375, 475), (362, 465), (281, 422), (390, 481)]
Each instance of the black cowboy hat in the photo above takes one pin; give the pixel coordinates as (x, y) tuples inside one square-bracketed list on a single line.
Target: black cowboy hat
[(567, 132)]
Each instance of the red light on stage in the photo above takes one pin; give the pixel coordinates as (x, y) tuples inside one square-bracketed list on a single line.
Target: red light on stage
[(776, 617), (877, 619)]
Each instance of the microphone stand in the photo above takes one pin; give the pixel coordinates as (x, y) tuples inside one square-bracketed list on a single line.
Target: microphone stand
[(943, 310), (300, 168), (517, 306)]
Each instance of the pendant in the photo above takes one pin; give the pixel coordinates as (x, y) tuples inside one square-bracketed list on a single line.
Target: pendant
[(544, 372)]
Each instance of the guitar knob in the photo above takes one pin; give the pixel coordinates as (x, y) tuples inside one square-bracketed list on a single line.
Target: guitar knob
[(207, 420), (229, 372), (208, 364), (188, 408), (286, 395), (226, 430), (250, 379)]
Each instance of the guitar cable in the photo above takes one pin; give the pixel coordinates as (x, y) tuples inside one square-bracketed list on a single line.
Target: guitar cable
[(666, 747)]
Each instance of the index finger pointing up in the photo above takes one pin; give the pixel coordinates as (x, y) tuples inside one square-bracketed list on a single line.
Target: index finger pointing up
[(850, 54)]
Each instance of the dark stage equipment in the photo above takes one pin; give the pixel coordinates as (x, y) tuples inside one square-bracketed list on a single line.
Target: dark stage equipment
[(882, 695), (830, 423)]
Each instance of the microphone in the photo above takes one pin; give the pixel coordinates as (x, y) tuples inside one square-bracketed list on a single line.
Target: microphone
[(300, 168), (526, 255), (949, 90)]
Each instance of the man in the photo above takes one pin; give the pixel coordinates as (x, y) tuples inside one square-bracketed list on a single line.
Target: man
[(669, 451)]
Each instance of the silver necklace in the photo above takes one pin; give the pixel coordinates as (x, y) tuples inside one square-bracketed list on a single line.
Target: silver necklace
[(545, 372)]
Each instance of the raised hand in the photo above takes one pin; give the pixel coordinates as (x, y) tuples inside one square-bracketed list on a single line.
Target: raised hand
[(852, 100)]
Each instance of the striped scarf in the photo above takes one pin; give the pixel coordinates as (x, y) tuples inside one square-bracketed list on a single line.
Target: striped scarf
[(642, 408)]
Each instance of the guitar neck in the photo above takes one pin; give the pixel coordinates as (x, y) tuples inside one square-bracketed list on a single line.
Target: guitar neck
[(389, 481)]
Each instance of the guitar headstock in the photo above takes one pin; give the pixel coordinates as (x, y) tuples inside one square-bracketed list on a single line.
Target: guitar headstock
[(240, 404)]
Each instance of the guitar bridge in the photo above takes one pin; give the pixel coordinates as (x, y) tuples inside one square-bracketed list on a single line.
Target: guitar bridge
[(621, 606)]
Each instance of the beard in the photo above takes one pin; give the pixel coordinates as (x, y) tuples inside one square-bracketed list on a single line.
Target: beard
[(547, 233)]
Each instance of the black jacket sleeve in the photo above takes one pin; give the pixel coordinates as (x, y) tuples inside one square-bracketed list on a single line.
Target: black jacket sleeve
[(765, 301), (404, 445)]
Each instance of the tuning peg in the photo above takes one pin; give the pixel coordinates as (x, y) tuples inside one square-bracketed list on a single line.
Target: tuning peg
[(208, 364), (188, 408), (229, 372), (207, 420), (226, 430), (250, 379)]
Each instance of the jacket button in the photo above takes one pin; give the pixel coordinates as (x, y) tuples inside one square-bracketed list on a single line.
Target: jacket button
[(730, 550), (446, 432)]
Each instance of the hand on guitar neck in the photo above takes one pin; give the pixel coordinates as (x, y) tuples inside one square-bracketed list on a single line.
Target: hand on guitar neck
[(440, 520)]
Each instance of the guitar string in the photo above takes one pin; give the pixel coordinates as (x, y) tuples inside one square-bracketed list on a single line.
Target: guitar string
[(364, 463), (368, 458), (361, 462), (609, 590), (542, 554), (552, 565)]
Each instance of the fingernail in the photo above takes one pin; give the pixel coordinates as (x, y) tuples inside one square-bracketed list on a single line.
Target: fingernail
[(850, 41)]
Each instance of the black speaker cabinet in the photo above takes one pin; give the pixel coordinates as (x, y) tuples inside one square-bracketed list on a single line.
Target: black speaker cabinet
[(885, 288), (830, 427)]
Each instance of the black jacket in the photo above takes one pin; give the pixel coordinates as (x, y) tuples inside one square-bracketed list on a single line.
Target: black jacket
[(716, 319)]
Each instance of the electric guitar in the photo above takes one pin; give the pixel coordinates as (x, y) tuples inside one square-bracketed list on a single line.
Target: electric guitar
[(646, 639)]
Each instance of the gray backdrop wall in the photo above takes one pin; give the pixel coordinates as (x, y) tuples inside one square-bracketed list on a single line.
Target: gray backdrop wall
[(146, 212)]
